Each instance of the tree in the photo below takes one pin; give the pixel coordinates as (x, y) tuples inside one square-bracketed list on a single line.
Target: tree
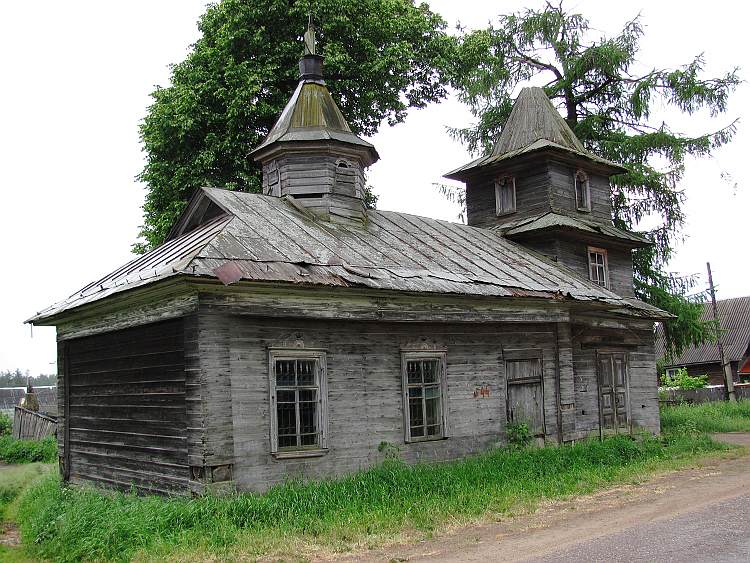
[(382, 57), (608, 106)]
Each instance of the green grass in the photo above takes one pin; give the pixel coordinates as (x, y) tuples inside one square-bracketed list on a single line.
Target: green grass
[(369, 508), (720, 416), (15, 479), (28, 451)]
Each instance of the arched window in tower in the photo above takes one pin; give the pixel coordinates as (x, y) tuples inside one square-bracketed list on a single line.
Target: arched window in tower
[(583, 193), (505, 195)]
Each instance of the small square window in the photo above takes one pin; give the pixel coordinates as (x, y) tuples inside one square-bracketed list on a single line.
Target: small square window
[(583, 191), (598, 269), (505, 195), (424, 396)]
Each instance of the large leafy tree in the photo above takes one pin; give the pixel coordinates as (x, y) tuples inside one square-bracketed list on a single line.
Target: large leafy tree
[(382, 57), (608, 104)]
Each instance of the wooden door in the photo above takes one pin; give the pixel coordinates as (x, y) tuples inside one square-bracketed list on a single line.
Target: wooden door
[(614, 411), (525, 393)]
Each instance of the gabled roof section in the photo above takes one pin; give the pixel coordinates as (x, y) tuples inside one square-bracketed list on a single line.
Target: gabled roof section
[(534, 125), (734, 317), (270, 239), (560, 221)]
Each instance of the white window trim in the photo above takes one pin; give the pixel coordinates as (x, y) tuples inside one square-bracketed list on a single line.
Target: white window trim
[(585, 205), (319, 355), (498, 198), (407, 355), (603, 252)]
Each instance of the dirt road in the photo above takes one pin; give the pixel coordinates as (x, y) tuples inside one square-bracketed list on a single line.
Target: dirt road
[(699, 514)]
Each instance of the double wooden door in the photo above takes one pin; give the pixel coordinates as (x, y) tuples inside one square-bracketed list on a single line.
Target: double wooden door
[(614, 400)]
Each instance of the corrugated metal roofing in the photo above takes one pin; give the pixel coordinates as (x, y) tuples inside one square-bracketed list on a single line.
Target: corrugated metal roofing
[(534, 124), (551, 220), (271, 239), (734, 317)]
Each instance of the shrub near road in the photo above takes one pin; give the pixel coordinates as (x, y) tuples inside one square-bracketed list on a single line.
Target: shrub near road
[(708, 417), (372, 507)]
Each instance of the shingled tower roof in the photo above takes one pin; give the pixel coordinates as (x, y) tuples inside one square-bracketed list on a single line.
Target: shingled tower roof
[(311, 114), (533, 118), (534, 125)]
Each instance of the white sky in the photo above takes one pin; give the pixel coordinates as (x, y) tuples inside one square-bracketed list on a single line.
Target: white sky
[(76, 78)]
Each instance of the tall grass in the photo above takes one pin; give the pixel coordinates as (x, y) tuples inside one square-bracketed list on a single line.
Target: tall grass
[(13, 480), (720, 416), (28, 451), (70, 524)]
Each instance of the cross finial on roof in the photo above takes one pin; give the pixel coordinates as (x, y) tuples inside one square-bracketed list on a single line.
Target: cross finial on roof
[(310, 48)]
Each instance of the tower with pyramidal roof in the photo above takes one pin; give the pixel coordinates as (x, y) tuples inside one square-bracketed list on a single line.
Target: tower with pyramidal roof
[(542, 188), (311, 153)]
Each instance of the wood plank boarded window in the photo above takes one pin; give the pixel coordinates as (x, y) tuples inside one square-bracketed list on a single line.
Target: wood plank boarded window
[(424, 390), (583, 191), (523, 372), (598, 269), (505, 195), (298, 400)]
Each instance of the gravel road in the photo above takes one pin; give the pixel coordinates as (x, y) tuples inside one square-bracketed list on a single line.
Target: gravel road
[(697, 514)]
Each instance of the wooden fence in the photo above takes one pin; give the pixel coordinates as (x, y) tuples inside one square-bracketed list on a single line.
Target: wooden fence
[(30, 425), (705, 395)]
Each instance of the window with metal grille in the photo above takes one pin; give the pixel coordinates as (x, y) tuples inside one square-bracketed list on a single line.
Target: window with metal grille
[(505, 195), (424, 396), (298, 401), (598, 270), (583, 191)]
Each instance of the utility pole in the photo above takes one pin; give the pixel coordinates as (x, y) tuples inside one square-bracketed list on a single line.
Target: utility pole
[(728, 380)]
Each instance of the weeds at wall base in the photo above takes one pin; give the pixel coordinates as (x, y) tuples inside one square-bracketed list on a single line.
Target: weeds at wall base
[(367, 509)]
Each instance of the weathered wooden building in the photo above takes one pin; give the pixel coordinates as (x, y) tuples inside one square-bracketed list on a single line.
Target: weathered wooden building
[(289, 334)]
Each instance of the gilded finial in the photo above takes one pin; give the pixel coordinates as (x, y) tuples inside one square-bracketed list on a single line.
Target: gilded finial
[(310, 37)]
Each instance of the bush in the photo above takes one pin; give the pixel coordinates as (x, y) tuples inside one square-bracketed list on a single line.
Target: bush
[(6, 424), (519, 435), (28, 451), (682, 380), (73, 524)]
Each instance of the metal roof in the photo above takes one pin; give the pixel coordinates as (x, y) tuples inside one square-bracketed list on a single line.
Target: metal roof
[(533, 125), (553, 220), (276, 240), (734, 317)]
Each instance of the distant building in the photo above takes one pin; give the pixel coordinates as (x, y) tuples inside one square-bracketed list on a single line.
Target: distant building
[(10, 397), (734, 317)]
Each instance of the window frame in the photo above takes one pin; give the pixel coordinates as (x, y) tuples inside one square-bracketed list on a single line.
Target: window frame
[(321, 378), (498, 197), (603, 252), (579, 176), (440, 356)]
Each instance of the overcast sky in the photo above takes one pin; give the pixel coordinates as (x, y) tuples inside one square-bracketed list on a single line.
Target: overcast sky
[(76, 78)]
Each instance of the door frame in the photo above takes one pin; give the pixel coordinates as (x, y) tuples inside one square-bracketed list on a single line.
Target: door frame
[(626, 366), (524, 354)]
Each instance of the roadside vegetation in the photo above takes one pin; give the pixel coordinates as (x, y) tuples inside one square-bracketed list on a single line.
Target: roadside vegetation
[(387, 503), (718, 416), (28, 451)]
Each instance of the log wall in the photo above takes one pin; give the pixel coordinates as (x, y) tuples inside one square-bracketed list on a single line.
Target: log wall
[(364, 390), (125, 418)]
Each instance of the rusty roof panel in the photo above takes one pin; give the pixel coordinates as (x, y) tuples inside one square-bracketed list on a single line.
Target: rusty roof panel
[(270, 239)]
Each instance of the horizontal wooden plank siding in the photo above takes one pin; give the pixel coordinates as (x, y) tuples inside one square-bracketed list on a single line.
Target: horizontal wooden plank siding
[(365, 390), (126, 408)]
